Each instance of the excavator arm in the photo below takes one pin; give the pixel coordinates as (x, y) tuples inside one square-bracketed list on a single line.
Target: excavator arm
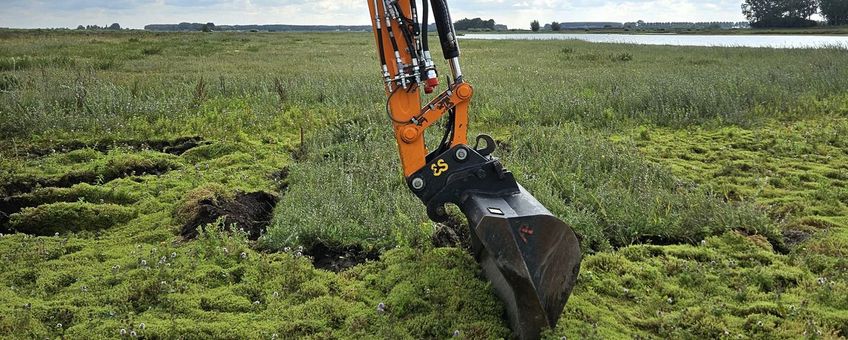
[(531, 258)]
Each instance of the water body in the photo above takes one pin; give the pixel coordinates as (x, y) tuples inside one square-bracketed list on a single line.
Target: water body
[(773, 41)]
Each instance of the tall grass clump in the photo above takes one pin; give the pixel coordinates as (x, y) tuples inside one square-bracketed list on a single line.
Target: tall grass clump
[(347, 190), (26, 62), (614, 197)]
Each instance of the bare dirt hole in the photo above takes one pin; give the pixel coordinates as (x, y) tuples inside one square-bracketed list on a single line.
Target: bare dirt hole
[(9, 206), (794, 237), (452, 233), (251, 212), (338, 259), (280, 178)]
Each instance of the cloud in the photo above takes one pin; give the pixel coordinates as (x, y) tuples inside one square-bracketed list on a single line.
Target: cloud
[(519, 13)]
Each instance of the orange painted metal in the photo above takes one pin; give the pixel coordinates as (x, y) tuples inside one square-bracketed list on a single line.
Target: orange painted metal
[(459, 96), (405, 104)]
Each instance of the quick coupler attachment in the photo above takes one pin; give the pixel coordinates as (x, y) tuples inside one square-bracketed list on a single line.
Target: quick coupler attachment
[(531, 257)]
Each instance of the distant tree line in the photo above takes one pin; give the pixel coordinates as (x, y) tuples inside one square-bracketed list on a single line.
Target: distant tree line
[(794, 13), (211, 27), (463, 25), (760, 14), (835, 11), (474, 24), (113, 27)]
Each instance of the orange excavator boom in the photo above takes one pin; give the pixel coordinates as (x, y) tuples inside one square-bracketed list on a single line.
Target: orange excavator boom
[(531, 257)]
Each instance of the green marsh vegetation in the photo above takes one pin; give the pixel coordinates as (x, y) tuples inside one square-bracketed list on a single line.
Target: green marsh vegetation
[(709, 187)]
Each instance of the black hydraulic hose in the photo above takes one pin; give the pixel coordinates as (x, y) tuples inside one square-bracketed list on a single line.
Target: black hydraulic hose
[(392, 38), (425, 23), (407, 35), (415, 28), (379, 27), (389, 29), (388, 109), (444, 145), (447, 34)]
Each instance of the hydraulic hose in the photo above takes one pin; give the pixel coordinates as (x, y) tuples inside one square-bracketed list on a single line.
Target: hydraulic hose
[(425, 23), (444, 24), (379, 26)]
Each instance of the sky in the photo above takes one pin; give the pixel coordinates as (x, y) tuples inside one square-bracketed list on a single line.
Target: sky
[(515, 14)]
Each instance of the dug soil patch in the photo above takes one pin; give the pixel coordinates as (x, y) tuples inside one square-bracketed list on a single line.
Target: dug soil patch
[(339, 259), (452, 233), (25, 184), (251, 212), (175, 146)]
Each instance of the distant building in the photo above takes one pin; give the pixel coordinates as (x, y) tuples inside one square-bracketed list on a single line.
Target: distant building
[(588, 25), (585, 25), (499, 27), (687, 25)]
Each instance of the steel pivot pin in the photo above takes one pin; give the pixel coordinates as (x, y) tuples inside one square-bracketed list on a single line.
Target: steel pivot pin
[(417, 183), (461, 154)]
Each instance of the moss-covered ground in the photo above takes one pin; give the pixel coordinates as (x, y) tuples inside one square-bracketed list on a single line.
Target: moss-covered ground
[(709, 187)]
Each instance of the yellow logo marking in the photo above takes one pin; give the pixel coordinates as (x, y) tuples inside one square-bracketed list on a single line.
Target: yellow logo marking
[(439, 167)]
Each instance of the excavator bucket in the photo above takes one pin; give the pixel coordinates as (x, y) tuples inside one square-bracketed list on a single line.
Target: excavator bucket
[(531, 258)]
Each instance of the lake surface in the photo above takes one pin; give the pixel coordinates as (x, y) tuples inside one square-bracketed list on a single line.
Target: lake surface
[(774, 41)]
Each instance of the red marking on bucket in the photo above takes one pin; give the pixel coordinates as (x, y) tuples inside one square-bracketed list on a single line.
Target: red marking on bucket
[(525, 231)]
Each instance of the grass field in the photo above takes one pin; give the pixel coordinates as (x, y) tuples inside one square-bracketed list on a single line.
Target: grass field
[(709, 187)]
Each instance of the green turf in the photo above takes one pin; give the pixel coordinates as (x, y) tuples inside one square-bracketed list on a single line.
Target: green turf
[(708, 186)]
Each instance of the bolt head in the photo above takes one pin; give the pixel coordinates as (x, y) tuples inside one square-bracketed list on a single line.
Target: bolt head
[(461, 154), (409, 134), (465, 91), (418, 183)]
